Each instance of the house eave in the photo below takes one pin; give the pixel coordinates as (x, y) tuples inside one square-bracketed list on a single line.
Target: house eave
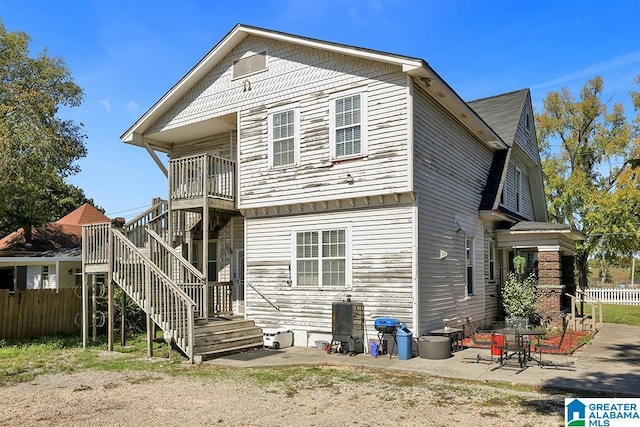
[(415, 67)]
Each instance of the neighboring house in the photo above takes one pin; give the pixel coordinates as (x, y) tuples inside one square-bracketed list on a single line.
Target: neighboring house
[(316, 172), (52, 259)]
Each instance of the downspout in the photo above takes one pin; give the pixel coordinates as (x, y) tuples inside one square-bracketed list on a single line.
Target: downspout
[(415, 285)]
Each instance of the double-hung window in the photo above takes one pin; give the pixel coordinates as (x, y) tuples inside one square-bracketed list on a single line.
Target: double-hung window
[(348, 115), (321, 258), (492, 261), (469, 259), (284, 131), (518, 186)]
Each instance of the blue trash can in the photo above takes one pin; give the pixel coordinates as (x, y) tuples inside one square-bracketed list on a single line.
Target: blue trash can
[(405, 342)]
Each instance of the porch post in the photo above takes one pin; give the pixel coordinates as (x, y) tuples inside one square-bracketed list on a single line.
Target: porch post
[(550, 288), (205, 237), (85, 310)]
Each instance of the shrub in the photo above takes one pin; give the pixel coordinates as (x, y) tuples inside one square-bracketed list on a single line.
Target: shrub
[(519, 292)]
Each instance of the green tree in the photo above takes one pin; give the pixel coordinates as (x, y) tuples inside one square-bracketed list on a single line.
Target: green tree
[(586, 150), (37, 148)]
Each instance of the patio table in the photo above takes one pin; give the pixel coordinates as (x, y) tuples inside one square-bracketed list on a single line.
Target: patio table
[(455, 335)]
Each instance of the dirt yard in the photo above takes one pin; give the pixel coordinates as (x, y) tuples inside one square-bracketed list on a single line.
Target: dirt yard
[(94, 397)]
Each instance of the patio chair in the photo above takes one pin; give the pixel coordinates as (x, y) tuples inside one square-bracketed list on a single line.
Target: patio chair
[(472, 334), (539, 347), (479, 342), (513, 344)]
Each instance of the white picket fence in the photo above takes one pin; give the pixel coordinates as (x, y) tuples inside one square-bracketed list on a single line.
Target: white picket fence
[(613, 296)]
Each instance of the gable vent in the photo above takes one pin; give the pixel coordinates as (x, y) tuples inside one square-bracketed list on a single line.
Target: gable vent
[(250, 65)]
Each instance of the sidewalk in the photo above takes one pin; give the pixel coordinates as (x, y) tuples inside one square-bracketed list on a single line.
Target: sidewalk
[(609, 364)]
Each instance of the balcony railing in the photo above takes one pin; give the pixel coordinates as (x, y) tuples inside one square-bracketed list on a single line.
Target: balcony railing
[(193, 177)]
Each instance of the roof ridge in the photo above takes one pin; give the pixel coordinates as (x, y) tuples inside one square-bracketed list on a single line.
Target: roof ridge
[(499, 95)]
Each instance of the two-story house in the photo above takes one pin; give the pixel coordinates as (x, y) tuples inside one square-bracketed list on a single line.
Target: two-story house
[(303, 172)]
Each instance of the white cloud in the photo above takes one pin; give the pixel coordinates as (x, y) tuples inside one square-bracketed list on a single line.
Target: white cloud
[(107, 104), (592, 70), (132, 106)]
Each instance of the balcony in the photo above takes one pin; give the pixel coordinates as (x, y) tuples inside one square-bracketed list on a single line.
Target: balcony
[(200, 179)]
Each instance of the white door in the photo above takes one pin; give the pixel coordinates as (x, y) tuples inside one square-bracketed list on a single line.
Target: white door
[(238, 281), (196, 258)]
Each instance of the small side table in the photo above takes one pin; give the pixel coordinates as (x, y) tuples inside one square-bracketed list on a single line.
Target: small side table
[(455, 335)]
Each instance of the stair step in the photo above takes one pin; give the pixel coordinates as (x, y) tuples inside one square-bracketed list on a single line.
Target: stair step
[(225, 345), (208, 355), (227, 334), (221, 326)]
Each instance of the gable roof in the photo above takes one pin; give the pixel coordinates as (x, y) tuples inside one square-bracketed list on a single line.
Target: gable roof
[(502, 112), (64, 233), (414, 67)]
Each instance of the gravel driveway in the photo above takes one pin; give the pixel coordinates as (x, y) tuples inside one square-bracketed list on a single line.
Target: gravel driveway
[(94, 397)]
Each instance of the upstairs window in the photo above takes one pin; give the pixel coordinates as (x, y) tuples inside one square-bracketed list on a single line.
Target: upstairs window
[(284, 130), (518, 189), (348, 126)]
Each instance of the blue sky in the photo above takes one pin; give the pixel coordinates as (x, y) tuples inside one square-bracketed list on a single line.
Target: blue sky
[(127, 54)]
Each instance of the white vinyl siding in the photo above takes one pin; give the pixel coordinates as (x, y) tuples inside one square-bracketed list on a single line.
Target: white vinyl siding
[(450, 169), (310, 80), (284, 137), (378, 266)]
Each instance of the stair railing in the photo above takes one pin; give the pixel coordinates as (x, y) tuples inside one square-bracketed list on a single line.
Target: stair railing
[(154, 217), (95, 243), (144, 282), (596, 308), (188, 278), (596, 318)]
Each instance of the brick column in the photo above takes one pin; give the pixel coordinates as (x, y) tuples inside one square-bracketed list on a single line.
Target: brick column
[(568, 278), (550, 288)]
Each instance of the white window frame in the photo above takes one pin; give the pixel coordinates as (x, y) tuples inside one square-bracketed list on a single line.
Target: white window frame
[(45, 273), (296, 135), (320, 230), (363, 123), (470, 284), (518, 188), (492, 261)]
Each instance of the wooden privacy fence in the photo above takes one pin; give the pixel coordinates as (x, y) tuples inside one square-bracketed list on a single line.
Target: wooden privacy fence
[(613, 296), (34, 313)]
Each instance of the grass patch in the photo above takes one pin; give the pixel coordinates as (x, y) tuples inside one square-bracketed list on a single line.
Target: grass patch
[(625, 314)]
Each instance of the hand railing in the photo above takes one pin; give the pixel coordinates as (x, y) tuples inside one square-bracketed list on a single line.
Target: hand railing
[(188, 278), (155, 217), (190, 177), (168, 305), (95, 243)]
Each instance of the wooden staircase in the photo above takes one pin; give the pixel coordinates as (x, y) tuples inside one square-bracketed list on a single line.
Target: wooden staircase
[(168, 288), (222, 336)]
